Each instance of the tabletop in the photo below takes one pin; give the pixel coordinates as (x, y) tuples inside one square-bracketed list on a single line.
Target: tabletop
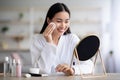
[(110, 76)]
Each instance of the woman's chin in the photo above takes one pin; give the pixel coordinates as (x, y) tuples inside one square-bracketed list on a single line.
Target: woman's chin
[(61, 33)]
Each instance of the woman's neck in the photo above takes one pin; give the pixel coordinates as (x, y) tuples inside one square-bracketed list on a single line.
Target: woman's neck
[(56, 39)]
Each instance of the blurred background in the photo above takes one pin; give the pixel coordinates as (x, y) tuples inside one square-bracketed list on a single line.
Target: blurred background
[(21, 19)]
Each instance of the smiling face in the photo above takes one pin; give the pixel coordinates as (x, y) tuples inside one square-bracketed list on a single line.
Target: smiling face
[(62, 21)]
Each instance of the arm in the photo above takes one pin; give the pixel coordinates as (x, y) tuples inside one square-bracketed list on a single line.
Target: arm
[(83, 68), (65, 67), (43, 51), (43, 55)]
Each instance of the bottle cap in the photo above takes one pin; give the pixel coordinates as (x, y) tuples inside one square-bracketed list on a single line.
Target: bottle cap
[(13, 61), (6, 58), (18, 61)]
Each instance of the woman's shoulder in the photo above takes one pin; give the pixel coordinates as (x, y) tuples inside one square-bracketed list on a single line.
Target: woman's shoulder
[(38, 39), (71, 35), (37, 36)]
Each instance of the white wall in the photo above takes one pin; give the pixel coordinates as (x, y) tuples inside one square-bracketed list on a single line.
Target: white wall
[(115, 31)]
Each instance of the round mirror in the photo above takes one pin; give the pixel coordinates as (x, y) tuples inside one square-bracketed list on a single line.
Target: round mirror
[(88, 47)]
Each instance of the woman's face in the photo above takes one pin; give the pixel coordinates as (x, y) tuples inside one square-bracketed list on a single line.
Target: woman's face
[(62, 21)]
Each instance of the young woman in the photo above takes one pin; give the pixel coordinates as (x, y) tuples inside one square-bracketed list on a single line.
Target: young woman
[(52, 49)]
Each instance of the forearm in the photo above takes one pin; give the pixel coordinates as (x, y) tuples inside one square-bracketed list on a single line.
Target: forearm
[(44, 58)]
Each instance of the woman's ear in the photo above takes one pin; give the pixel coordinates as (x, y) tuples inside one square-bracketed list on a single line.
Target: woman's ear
[(48, 20)]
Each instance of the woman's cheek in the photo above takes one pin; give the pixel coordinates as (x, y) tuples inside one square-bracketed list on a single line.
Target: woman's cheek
[(66, 28), (57, 25)]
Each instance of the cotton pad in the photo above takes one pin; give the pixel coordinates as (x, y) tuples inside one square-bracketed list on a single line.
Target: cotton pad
[(27, 75), (53, 24)]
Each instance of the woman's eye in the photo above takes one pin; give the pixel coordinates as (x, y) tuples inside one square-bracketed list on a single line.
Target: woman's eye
[(58, 21), (67, 21)]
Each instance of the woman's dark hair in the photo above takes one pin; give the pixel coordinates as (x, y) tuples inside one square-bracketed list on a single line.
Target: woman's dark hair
[(55, 8)]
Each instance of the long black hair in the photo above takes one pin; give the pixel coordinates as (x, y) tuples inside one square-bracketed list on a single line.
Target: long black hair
[(55, 8)]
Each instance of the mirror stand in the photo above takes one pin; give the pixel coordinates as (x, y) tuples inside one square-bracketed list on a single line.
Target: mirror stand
[(92, 74)]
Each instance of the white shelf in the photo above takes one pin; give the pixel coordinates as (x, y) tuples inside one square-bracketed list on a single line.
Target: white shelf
[(86, 22), (20, 29), (34, 19), (13, 50), (14, 22)]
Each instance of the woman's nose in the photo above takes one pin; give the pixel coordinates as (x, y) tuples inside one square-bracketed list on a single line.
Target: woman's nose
[(63, 24)]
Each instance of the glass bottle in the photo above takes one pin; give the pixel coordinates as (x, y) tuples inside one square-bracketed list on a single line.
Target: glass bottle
[(13, 68), (6, 66)]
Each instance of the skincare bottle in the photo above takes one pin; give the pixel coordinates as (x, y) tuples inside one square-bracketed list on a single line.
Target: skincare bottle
[(18, 68), (13, 68), (6, 66)]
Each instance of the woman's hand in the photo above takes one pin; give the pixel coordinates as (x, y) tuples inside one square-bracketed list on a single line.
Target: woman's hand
[(65, 69), (48, 32)]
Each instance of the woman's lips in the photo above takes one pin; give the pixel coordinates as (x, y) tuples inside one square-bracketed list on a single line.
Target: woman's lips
[(61, 30)]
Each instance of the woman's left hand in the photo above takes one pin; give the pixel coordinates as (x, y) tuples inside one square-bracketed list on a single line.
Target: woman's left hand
[(65, 69)]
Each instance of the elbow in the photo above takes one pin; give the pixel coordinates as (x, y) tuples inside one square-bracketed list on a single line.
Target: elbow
[(45, 70)]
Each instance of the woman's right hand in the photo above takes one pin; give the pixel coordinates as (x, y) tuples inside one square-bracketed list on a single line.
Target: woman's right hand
[(48, 32), (65, 68)]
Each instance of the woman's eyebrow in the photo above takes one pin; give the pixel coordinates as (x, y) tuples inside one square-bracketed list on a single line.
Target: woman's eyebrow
[(61, 19)]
